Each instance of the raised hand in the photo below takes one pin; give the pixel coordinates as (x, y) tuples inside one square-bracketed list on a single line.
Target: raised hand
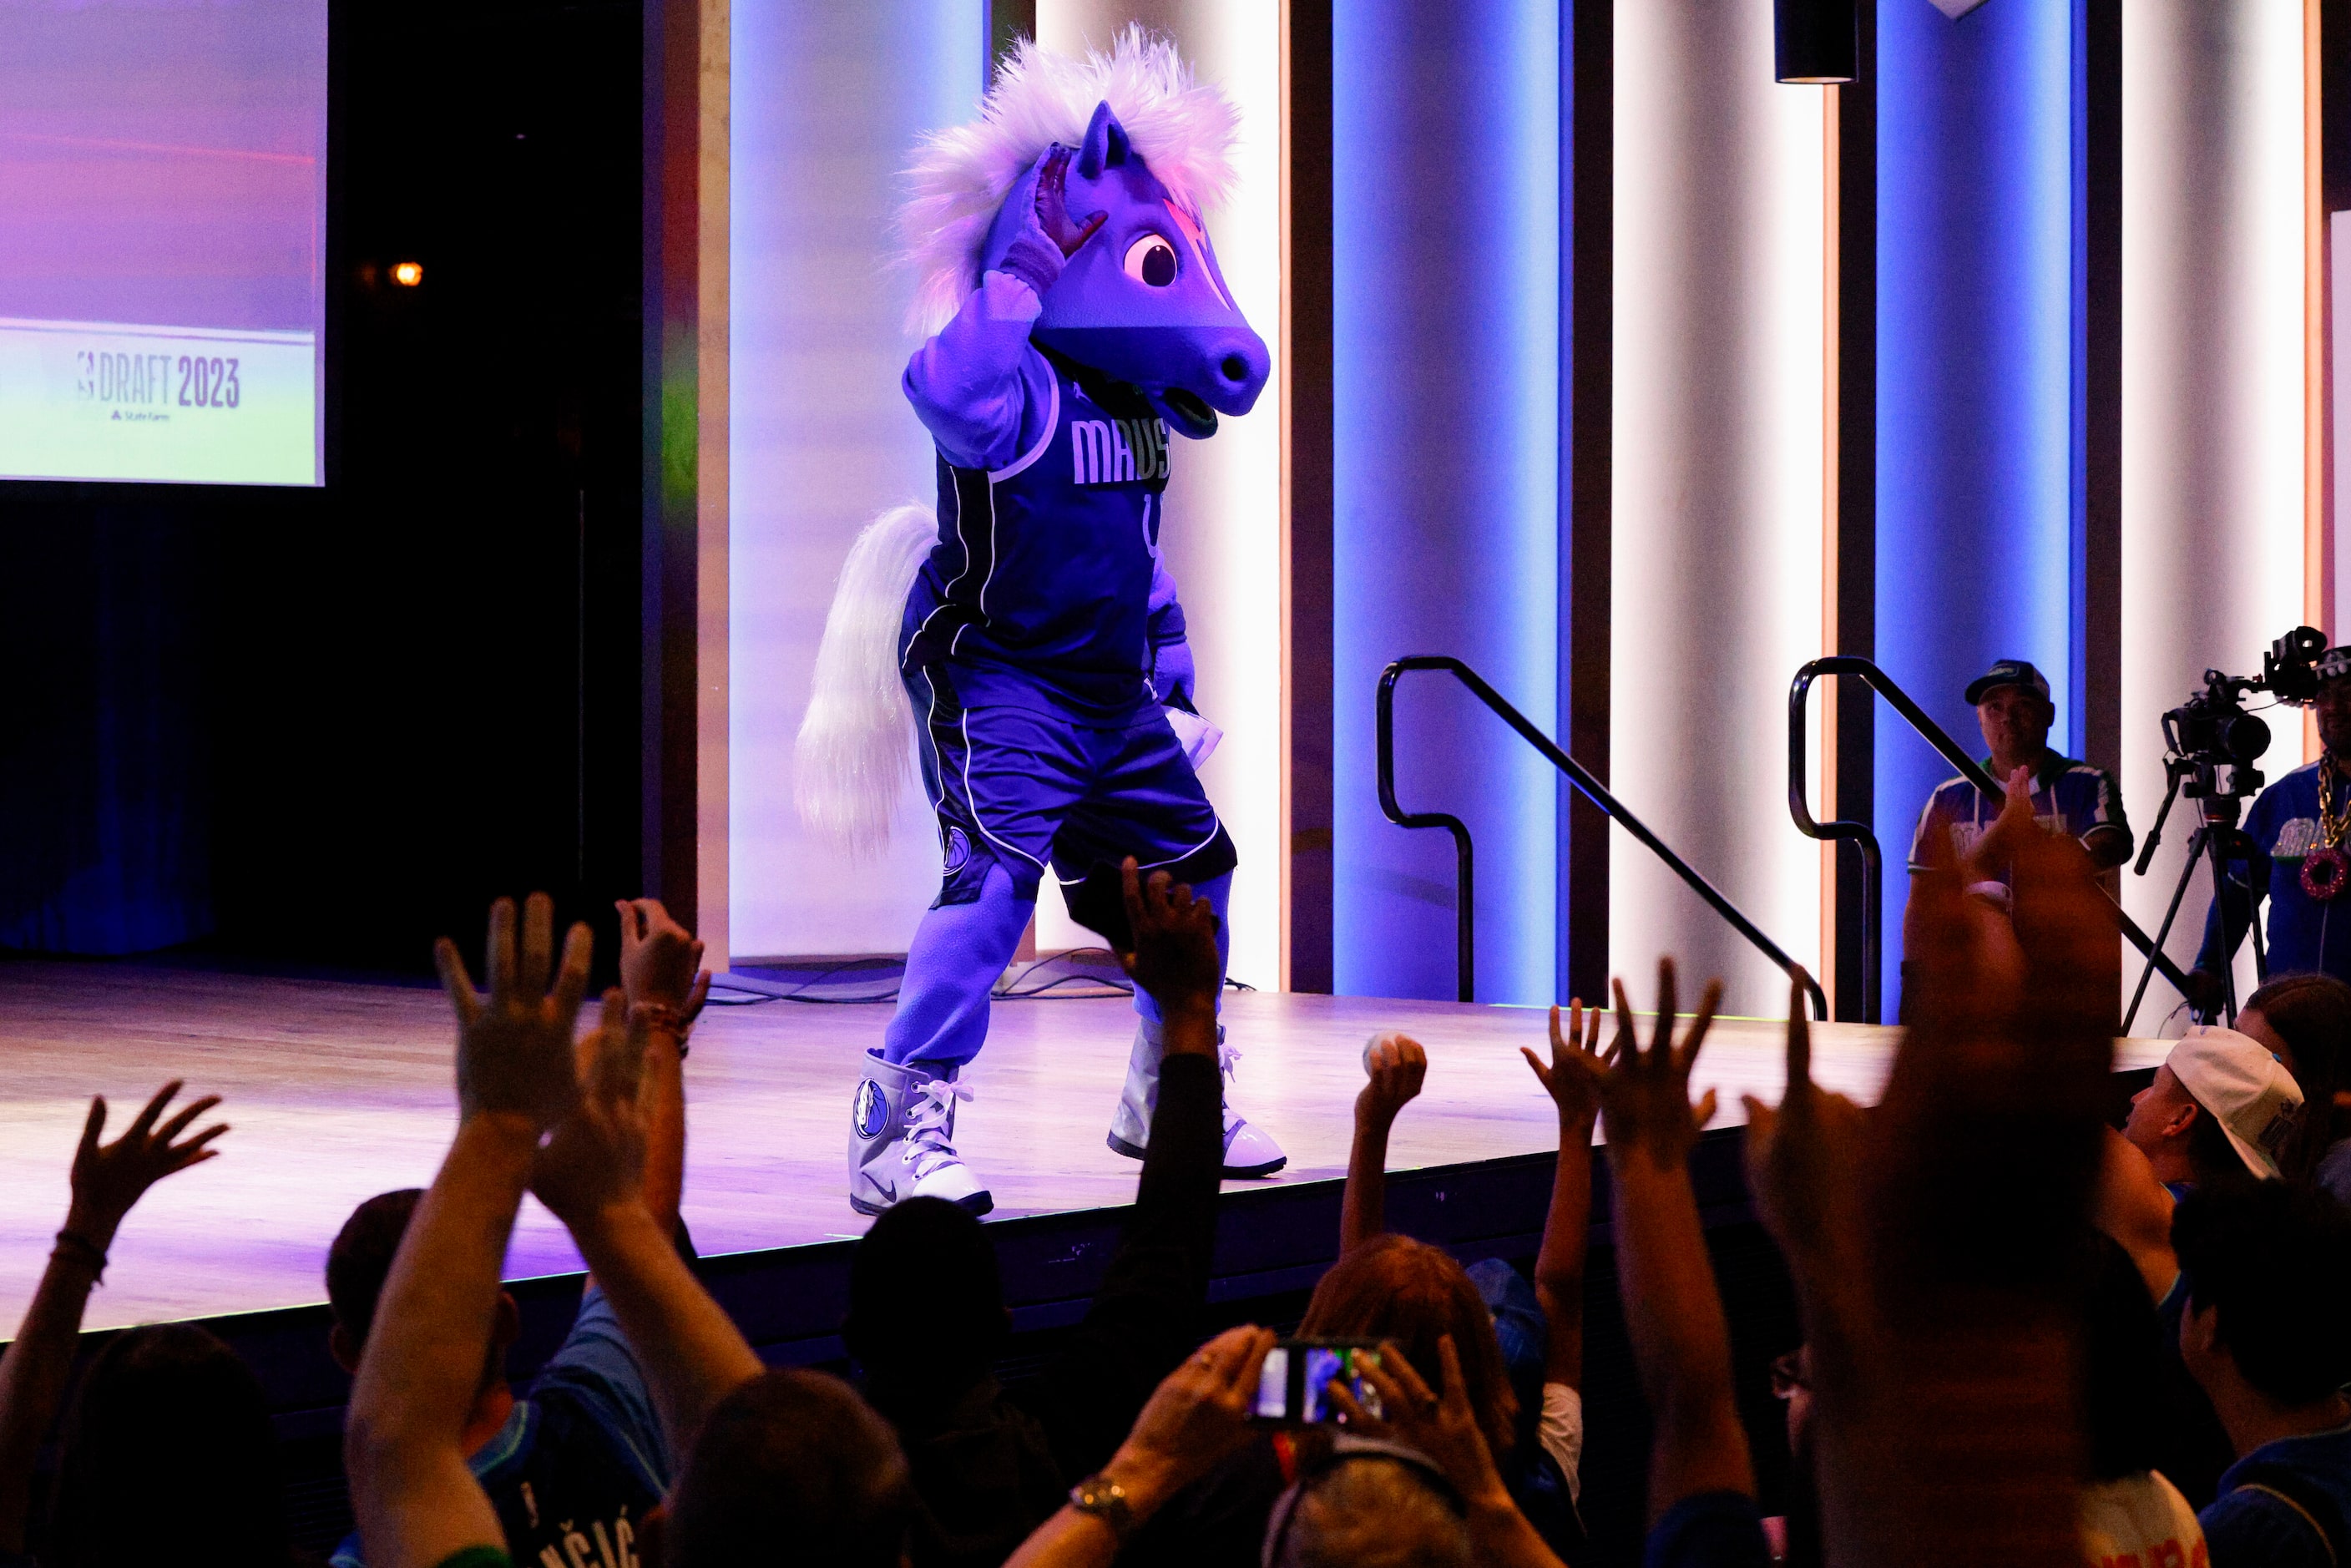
[(661, 961), (108, 1179), (1953, 1290), (1801, 1161), (514, 1050), (595, 1162), (1645, 1094), (1175, 958), (1572, 1078), (2001, 1076), (1395, 1064)]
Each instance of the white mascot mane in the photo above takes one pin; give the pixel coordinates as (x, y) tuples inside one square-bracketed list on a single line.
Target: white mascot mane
[(1182, 127), (855, 751)]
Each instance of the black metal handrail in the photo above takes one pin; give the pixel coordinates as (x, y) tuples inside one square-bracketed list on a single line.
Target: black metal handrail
[(1464, 916), (1859, 834)]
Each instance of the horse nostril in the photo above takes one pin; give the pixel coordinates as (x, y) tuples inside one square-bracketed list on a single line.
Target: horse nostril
[(1235, 368)]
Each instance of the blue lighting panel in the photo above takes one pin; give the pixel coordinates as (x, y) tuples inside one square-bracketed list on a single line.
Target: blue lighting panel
[(1977, 427), (1446, 360)]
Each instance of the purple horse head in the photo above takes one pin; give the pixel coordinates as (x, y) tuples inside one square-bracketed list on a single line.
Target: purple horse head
[(1140, 297)]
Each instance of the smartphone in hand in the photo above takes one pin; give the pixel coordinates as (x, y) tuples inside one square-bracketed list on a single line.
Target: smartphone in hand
[(1294, 1389)]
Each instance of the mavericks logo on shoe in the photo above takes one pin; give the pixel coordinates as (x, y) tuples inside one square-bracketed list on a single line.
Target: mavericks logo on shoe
[(869, 1112)]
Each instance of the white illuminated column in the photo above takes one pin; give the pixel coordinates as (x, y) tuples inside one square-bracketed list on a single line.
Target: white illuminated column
[(2214, 387), (2339, 260), (1719, 432), (1225, 511), (827, 102)]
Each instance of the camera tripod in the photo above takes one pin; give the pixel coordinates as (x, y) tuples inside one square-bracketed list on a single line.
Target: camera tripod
[(2220, 809)]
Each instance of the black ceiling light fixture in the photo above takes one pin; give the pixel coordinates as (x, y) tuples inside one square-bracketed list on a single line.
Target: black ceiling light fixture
[(1812, 40)]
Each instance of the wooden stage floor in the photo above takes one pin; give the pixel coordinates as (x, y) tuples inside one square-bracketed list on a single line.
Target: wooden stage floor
[(339, 1091)]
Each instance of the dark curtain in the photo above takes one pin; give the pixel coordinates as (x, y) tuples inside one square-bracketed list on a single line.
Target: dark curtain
[(105, 762)]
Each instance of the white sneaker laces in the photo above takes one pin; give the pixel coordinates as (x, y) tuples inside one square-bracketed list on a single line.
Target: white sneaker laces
[(928, 1143), (1228, 1058)]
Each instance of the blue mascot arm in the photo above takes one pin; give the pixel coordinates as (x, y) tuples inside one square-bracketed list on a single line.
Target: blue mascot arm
[(1172, 674), (978, 386)]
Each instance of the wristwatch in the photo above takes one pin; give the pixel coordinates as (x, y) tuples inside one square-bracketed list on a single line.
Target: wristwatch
[(1106, 1500)]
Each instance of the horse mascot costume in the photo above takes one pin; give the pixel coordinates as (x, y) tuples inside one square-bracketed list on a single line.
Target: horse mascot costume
[(1075, 316)]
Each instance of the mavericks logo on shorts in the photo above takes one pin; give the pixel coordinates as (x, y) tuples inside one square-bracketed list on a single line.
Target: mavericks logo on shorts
[(870, 1112), (956, 849)]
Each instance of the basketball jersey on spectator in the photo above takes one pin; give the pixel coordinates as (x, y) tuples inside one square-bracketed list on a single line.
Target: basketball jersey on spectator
[(570, 1493), (580, 1463), (2302, 935), (2068, 795), (2285, 1504), (1038, 588)]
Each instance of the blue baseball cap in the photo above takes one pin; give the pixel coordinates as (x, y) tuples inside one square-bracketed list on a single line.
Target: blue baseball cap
[(2008, 672)]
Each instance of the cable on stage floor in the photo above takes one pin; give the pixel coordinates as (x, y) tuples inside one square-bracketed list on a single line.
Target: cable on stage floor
[(1082, 972)]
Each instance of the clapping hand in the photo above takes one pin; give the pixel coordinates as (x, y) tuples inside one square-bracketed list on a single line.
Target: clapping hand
[(1394, 1065), (1573, 1076), (514, 1051), (110, 1178), (1175, 959), (1990, 858), (661, 961)]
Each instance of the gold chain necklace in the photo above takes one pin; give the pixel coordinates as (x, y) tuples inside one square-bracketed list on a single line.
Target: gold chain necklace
[(2326, 869)]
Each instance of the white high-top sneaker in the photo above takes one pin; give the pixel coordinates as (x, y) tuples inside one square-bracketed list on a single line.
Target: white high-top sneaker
[(902, 1140), (1248, 1151)]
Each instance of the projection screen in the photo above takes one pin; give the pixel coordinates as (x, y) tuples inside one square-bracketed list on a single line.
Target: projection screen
[(162, 236)]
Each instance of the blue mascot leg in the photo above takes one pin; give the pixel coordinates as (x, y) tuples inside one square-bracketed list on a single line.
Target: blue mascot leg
[(901, 1122), (1007, 773), (1249, 1150), (1216, 891), (960, 951)]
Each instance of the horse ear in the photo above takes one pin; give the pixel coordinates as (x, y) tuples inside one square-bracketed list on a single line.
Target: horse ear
[(1106, 144)]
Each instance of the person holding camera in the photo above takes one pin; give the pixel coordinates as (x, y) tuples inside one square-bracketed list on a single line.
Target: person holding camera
[(2291, 850), (2069, 796)]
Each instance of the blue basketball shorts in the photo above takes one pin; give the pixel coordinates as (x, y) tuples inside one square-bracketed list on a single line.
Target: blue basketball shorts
[(1030, 791)]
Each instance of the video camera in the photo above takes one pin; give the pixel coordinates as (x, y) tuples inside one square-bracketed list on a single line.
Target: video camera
[(2211, 730), (2213, 743)]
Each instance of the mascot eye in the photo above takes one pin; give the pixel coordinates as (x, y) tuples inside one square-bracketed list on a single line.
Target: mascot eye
[(1151, 260)]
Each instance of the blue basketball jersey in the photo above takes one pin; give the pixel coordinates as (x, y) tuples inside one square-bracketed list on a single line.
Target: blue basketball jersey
[(1038, 593), (2069, 797)]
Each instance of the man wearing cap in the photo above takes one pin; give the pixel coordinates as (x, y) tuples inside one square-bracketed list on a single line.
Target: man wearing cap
[(2071, 797), (2295, 855), (2219, 1107)]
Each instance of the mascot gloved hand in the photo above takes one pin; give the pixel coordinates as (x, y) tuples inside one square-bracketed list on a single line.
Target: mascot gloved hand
[(1027, 633), (1032, 236)]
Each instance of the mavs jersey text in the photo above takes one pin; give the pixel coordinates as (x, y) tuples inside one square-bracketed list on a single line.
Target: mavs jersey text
[(1039, 591)]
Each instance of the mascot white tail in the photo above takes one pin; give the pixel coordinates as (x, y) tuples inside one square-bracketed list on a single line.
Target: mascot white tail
[(855, 750)]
